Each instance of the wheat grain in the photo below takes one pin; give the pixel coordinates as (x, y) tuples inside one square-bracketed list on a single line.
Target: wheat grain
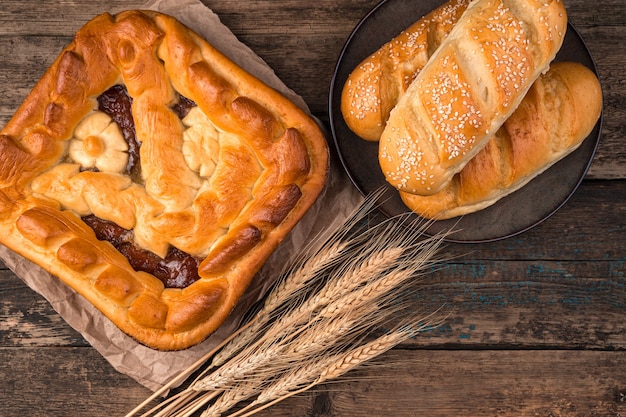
[(317, 256), (230, 398), (285, 290), (283, 329), (320, 370), (313, 325)]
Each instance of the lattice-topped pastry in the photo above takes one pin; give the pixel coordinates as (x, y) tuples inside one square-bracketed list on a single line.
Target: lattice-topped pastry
[(154, 176)]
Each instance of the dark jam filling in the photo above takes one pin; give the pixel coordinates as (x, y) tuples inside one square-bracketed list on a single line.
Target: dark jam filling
[(183, 106), (178, 269), (118, 105)]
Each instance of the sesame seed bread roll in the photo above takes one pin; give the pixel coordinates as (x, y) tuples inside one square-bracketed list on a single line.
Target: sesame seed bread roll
[(468, 88), (373, 88), (553, 119)]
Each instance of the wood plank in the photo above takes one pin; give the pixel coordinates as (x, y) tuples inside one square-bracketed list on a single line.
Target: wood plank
[(504, 383), (611, 13), (540, 289), (62, 382), (590, 226), (601, 40), (526, 304), (505, 304), (314, 39), (54, 18), (28, 320)]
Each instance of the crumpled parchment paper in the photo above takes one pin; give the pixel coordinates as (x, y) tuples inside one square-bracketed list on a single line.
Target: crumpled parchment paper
[(149, 367)]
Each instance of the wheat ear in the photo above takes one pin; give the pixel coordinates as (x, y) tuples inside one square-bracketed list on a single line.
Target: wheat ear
[(285, 290), (282, 330), (315, 257), (362, 288), (321, 370)]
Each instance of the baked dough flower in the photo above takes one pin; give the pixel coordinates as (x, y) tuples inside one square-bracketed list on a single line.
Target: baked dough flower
[(200, 143), (98, 143)]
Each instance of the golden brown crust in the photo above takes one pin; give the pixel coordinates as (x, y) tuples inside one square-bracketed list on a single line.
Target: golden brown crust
[(373, 88), (553, 119), (468, 88), (225, 185)]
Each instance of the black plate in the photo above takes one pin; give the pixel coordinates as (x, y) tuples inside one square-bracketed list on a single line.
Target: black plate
[(513, 214)]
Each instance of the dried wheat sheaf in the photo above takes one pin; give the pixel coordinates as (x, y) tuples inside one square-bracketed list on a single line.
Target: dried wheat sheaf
[(323, 318)]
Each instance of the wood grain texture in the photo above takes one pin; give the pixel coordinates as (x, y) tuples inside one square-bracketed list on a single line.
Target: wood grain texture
[(515, 383), (536, 322), (64, 382), (313, 38), (402, 383)]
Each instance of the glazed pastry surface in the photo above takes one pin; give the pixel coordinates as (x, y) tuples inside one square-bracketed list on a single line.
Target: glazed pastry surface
[(556, 115), (467, 89), (154, 176)]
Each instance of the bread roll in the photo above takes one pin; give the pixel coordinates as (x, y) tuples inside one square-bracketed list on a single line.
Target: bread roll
[(154, 176), (468, 88), (558, 113), (375, 85)]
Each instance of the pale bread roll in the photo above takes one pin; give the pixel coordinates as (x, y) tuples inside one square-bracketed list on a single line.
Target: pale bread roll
[(373, 88), (557, 114), (468, 88)]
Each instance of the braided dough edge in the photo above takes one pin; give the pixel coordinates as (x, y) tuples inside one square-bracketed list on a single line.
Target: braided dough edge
[(57, 240)]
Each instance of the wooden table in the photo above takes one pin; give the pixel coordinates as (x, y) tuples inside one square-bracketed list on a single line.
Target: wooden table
[(539, 320)]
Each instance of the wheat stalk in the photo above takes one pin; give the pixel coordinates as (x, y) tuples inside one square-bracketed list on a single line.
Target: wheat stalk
[(320, 370), (319, 255), (286, 328), (313, 323), (285, 290)]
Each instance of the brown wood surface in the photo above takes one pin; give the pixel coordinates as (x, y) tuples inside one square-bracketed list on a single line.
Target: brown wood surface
[(537, 322)]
